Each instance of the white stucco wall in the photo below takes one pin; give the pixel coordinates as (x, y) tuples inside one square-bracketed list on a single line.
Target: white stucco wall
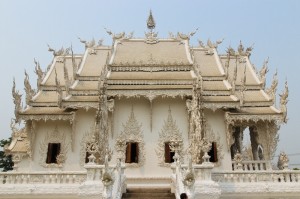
[(216, 121), (142, 111)]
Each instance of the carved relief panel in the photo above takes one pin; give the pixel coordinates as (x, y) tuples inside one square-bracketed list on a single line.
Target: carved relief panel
[(132, 133), (54, 137), (168, 133)]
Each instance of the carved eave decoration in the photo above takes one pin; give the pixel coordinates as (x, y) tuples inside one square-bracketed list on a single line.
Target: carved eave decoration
[(54, 137), (216, 93), (83, 93), (132, 133), (232, 118), (150, 82), (149, 94), (80, 105), (46, 117), (169, 131), (152, 64), (216, 105)]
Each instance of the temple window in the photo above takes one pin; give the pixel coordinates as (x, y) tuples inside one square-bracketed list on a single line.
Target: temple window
[(132, 152), (87, 154), (213, 152), (169, 155), (52, 153)]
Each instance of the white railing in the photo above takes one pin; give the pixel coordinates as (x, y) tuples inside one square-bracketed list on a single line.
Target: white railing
[(59, 177), (177, 179), (110, 179), (255, 165), (276, 176), (119, 186)]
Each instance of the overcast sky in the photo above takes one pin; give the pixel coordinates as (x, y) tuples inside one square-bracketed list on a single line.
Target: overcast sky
[(273, 26)]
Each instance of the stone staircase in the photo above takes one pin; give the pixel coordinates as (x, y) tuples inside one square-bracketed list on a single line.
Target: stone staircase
[(149, 193)]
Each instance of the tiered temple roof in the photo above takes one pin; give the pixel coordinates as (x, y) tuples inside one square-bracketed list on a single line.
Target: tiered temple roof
[(152, 67)]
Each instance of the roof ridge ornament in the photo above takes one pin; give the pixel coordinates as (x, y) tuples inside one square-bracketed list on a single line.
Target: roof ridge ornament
[(151, 37), (88, 44), (150, 22), (263, 71), (186, 36), (241, 50), (60, 52), (283, 101)]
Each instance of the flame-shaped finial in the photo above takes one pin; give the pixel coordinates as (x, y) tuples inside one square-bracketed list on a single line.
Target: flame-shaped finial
[(150, 22)]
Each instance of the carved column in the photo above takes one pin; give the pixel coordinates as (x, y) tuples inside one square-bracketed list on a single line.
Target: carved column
[(254, 142), (267, 132), (237, 145)]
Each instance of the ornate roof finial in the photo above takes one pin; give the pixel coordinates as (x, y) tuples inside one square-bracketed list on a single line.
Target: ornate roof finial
[(150, 22)]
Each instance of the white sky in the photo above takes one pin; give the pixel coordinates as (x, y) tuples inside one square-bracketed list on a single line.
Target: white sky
[(272, 25)]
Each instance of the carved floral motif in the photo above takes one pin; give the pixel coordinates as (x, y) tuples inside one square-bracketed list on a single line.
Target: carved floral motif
[(132, 133), (54, 137), (169, 133)]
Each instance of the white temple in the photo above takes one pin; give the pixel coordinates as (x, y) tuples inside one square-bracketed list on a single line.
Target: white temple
[(148, 114)]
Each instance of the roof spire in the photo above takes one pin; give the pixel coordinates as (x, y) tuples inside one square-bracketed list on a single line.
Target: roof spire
[(150, 22)]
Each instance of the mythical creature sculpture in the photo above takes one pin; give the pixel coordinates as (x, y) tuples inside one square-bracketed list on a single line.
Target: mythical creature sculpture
[(38, 71), (214, 45), (58, 90), (243, 52), (74, 65), (263, 71), (67, 80), (201, 44), (272, 90), (186, 36), (196, 119), (284, 101), (60, 52), (17, 98), (283, 161), (115, 36), (29, 91), (230, 51), (88, 44)]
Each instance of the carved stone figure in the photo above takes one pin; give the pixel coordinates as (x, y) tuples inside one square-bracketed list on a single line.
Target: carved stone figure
[(283, 161)]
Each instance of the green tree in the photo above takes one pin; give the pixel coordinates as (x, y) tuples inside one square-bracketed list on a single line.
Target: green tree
[(6, 162)]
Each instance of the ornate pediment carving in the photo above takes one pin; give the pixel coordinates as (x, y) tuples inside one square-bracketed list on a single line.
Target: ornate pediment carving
[(54, 137), (168, 133), (132, 133)]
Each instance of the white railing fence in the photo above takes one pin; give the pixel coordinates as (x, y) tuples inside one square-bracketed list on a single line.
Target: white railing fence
[(57, 177), (275, 176), (255, 165)]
